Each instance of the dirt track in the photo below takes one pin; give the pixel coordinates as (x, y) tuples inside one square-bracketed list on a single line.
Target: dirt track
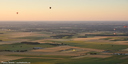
[(8, 58)]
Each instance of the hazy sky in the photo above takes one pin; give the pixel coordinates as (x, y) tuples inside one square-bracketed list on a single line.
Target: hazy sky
[(64, 10)]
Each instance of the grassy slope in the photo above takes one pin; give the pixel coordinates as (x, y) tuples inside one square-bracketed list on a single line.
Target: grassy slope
[(48, 56), (94, 45), (112, 60)]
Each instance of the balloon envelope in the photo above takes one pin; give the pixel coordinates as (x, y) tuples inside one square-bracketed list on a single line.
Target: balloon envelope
[(16, 12), (50, 7), (125, 26)]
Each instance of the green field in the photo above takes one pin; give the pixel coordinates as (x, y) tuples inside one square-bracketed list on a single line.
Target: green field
[(47, 56), (116, 39), (17, 46), (32, 38), (94, 45), (111, 60), (40, 58)]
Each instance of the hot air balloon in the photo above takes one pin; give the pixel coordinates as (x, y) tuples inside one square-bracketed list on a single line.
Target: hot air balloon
[(50, 7), (16, 12), (114, 33), (125, 26), (114, 29)]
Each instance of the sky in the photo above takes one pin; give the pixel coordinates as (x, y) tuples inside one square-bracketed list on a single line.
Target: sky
[(64, 10)]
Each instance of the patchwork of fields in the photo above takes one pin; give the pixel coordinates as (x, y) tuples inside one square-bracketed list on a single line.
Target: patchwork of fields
[(49, 47)]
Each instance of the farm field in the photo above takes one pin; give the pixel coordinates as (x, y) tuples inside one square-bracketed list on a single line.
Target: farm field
[(52, 45)]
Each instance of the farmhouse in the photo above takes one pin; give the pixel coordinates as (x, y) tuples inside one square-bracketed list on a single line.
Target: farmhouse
[(121, 53)]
